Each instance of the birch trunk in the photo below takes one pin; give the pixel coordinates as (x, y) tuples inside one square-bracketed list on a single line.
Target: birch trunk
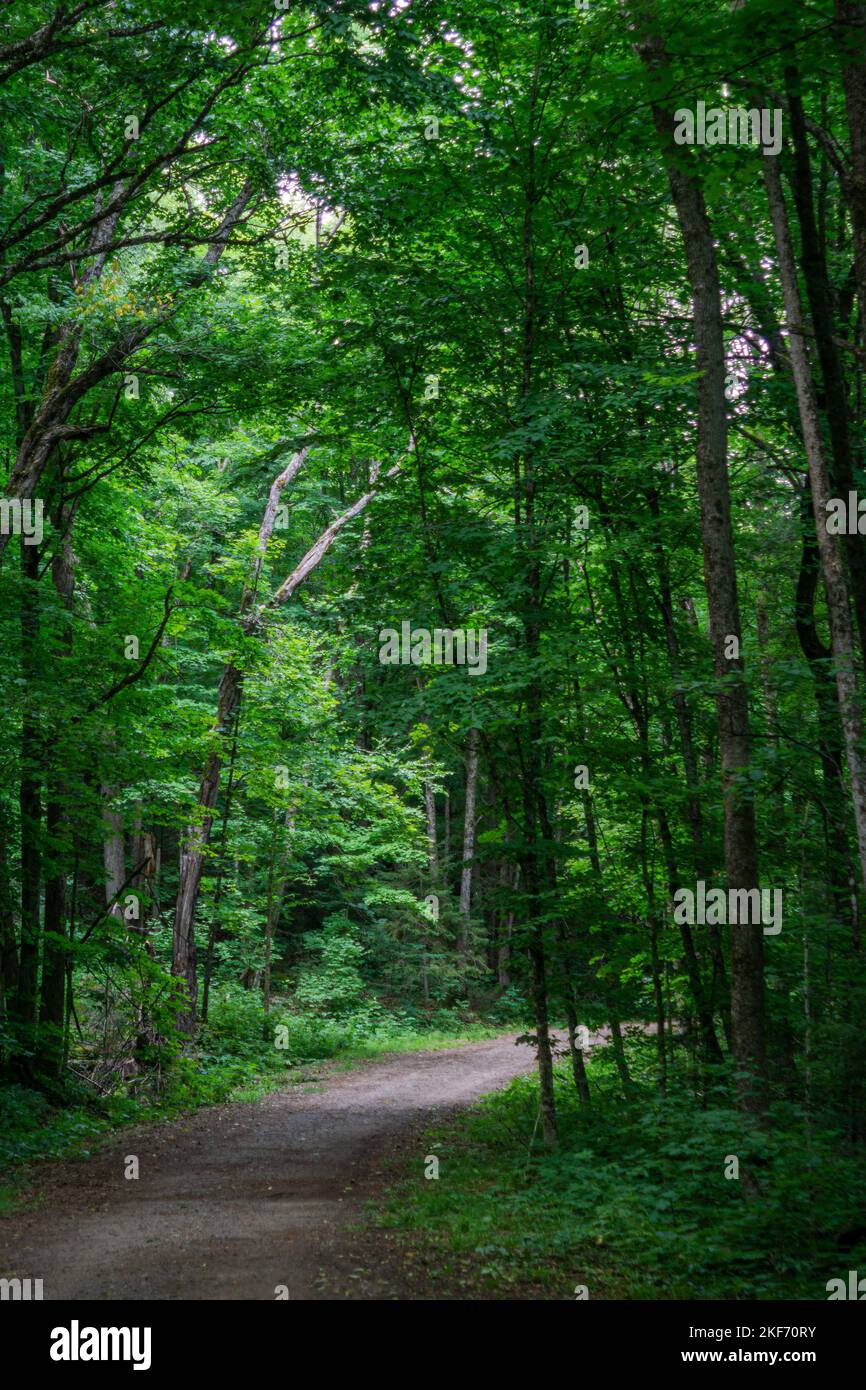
[(832, 567)]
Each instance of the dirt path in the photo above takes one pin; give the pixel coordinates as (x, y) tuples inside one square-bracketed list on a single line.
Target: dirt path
[(240, 1198)]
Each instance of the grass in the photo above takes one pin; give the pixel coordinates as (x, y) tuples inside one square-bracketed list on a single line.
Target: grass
[(635, 1203), (433, 1041)]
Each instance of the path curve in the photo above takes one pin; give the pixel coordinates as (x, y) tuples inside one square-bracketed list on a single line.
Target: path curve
[(237, 1199)]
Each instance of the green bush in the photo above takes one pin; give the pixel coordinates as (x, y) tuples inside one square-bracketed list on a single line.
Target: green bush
[(635, 1202), (334, 986)]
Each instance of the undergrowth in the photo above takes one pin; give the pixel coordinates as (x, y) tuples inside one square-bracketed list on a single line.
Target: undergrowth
[(634, 1203)]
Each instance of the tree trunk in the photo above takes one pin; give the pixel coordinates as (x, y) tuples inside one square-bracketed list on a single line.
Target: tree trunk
[(578, 1065), (814, 268), (468, 840), (30, 802), (720, 996), (832, 569), (214, 927), (619, 1056), (183, 964), (276, 889), (53, 990), (113, 851), (8, 941), (852, 15), (432, 838), (52, 1012), (741, 856)]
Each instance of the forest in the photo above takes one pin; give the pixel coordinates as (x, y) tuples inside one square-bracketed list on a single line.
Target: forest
[(433, 575)]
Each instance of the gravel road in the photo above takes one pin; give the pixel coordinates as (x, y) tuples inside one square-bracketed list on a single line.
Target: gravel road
[(237, 1199)]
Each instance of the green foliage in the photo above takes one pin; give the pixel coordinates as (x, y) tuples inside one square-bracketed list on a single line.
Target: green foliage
[(283, 254), (635, 1203), (31, 1127), (335, 985)]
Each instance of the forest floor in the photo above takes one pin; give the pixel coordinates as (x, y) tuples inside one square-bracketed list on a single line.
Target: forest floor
[(239, 1199)]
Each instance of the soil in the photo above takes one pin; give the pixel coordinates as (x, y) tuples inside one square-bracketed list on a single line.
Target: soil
[(239, 1199)]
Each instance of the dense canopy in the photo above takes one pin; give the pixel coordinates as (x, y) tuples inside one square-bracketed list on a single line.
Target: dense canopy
[(434, 571)]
